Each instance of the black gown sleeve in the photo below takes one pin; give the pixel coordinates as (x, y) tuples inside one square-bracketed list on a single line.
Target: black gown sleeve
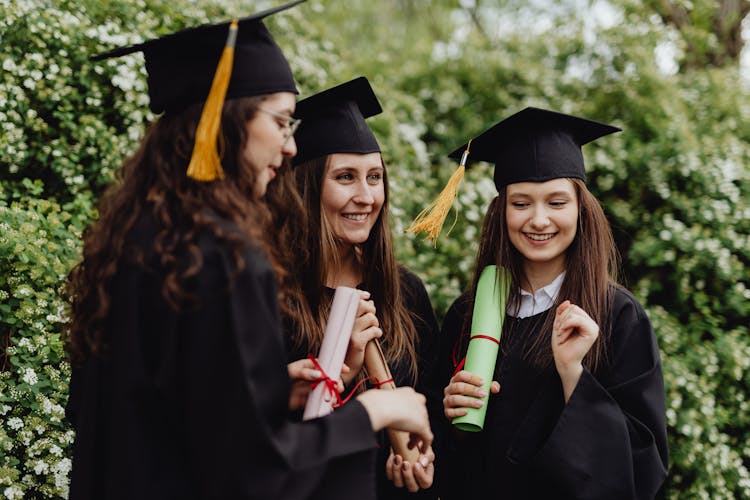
[(609, 440), (240, 393), (194, 404)]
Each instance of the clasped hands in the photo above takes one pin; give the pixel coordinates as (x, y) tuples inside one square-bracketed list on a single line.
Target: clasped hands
[(302, 372)]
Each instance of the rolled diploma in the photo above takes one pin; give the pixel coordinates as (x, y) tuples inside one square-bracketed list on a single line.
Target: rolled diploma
[(333, 349), (376, 367), (481, 356)]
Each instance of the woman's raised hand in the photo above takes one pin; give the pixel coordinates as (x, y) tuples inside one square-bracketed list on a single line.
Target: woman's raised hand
[(366, 327), (463, 391), (573, 334)]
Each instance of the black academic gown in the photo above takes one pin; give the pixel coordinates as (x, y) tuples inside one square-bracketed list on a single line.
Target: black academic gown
[(608, 442), (194, 404), (428, 383)]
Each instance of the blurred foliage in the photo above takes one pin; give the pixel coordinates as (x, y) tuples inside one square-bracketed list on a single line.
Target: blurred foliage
[(675, 184), (710, 31)]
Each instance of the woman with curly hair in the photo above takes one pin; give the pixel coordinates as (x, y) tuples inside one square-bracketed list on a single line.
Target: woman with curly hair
[(180, 386)]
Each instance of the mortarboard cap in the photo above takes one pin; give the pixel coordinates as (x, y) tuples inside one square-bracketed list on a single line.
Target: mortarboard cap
[(211, 63), (333, 121), (533, 145), (181, 65)]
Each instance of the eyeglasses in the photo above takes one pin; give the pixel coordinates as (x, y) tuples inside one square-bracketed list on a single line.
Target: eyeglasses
[(290, 124)]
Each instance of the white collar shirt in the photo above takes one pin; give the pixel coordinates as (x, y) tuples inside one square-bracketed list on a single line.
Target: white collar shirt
[(543, 299)]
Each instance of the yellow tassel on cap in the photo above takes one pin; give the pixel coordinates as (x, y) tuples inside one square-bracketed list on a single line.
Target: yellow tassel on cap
[(205, 164), (432, 218)]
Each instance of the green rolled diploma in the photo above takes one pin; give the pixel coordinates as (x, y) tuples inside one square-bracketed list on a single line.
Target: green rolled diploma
[(481, 356)]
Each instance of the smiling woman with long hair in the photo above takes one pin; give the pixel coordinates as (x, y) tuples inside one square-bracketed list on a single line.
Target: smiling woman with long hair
[(180, 385), (577, 408), (346, 240)]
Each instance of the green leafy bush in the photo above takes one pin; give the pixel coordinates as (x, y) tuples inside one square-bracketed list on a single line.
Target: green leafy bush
[(37, 245), (675, 184)]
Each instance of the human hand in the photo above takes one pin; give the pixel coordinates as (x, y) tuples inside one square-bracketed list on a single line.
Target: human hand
[(465, 391), (366, 327), (302, 373), (413, 476), (401, 409), (573, 334)]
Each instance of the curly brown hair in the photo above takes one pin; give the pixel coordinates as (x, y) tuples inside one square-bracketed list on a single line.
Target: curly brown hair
[(153, 183)]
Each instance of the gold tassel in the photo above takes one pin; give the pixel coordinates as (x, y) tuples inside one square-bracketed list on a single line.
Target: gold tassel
[(205, 164), (432, 218)]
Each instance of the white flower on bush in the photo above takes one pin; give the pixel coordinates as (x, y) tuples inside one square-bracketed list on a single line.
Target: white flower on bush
[(15, 423), (63, 466), (125, 80), (68, 437), (9, 65), (13, 493), (41, 467), (60, 472), (29, 376), (47, 406), (54, 410)]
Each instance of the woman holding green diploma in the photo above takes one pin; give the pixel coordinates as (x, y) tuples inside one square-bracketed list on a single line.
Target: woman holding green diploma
[(581, 410), (484, 342)]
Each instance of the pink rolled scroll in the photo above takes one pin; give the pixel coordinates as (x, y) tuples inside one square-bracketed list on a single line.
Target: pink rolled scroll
[(333, 350)]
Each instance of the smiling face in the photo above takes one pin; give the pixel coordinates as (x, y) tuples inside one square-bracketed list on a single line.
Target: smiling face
[(352, 195), (542, 219), (267, 143)]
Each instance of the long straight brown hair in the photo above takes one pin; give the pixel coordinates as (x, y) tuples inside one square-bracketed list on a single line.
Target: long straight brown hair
[(591, 265), (316, 249)]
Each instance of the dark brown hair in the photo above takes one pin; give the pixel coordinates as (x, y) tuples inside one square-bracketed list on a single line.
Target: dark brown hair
[(153, 181), (314, 249), (591, 265)]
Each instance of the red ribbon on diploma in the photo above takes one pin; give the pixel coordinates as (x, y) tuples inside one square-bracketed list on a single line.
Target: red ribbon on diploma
[(463, 360), (331, 385)]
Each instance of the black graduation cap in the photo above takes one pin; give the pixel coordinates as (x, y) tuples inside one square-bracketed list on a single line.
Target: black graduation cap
[(181, 65), (533, 145), (212, 63), (333, 121)]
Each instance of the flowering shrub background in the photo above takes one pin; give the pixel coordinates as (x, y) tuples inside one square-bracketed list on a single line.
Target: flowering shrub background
[(675, 184)]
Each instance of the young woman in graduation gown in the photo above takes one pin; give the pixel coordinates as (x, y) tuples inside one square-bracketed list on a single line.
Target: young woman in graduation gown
[(580, 411), (342, 180), (180, 386)]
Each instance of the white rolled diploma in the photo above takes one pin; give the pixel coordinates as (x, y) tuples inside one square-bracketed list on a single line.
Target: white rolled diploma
[(377, 368), (333, 349)]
